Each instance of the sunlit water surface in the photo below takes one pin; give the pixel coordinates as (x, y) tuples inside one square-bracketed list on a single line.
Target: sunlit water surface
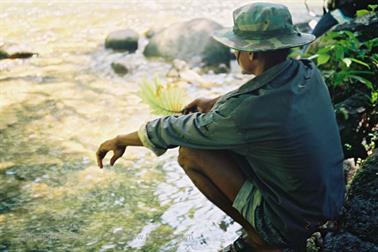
[(56, 108)]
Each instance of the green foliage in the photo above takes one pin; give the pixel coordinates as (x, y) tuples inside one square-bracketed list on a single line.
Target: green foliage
[(163, 99), (371, 10), (349, 64)]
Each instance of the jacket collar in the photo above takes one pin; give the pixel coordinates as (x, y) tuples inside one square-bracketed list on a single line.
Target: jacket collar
[(265, 77)]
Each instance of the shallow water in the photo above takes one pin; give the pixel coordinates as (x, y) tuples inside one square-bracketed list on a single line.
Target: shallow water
[(56, 108)]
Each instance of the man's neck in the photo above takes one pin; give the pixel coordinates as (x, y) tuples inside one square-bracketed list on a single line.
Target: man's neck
[(265, 65)]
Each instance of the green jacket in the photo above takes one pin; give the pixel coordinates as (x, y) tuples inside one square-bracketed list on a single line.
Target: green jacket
[(282, 127)]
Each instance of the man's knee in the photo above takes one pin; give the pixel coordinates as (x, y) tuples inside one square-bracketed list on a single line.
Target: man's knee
[(187, 158)]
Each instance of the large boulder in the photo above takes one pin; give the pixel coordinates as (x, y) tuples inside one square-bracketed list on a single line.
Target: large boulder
[(190, 41), (359, 220), (122, 40), (360, 210)]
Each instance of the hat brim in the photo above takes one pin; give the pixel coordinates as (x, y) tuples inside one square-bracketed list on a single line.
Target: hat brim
[(230, 39)]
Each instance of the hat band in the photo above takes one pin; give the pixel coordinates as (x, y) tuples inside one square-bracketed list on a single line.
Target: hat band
[(264, 34)]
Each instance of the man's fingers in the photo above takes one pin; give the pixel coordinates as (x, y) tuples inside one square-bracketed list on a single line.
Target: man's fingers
[(99, 156), (101, 153), (117, 154), (113, 159), (104, 148)]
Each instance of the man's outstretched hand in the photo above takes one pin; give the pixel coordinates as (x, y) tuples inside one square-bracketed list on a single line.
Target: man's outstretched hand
[(110, 145)]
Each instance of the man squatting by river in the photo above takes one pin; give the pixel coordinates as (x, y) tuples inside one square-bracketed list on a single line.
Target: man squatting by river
[(268, 153)]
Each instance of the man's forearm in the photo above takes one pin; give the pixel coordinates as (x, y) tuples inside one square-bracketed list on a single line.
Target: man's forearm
[(131, 139)]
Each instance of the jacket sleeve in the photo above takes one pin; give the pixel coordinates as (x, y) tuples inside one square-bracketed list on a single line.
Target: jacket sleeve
[(216, 129)]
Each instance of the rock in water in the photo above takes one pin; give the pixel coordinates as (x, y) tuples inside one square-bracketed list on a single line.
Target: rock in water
[(14, 51), (122, 40), (190, 41), (21, 55), (3, 54), (119, 68)]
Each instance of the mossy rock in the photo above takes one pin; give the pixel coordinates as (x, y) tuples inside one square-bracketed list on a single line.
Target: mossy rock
[(346, 242), (359, 221), (361, 208)]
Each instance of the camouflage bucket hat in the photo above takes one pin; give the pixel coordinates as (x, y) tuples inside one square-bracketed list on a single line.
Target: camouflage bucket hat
[(262, 27)]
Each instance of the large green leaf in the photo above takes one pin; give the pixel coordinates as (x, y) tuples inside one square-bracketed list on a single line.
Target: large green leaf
[(323, 58), (163, 99)]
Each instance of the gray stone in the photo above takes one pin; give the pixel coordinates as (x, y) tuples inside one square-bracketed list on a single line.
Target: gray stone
[(122, 40), (190, 41), (119, 68)]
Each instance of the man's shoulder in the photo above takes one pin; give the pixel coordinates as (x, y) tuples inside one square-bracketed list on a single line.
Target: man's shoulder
[(263, 90), (309, 71), (297, 71)]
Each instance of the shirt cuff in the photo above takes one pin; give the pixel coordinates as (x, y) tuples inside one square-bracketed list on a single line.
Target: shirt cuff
[(143, 136)]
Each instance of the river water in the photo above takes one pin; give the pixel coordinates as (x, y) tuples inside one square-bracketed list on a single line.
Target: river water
[(57, 107)]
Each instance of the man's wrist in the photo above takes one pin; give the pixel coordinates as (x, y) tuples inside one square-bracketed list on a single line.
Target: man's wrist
[(118, 141), (130, 139)]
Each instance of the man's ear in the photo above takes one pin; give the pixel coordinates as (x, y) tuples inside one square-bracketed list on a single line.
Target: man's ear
[(251, 56)]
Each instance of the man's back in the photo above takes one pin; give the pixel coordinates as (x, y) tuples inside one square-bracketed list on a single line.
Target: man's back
[(294, 150)]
